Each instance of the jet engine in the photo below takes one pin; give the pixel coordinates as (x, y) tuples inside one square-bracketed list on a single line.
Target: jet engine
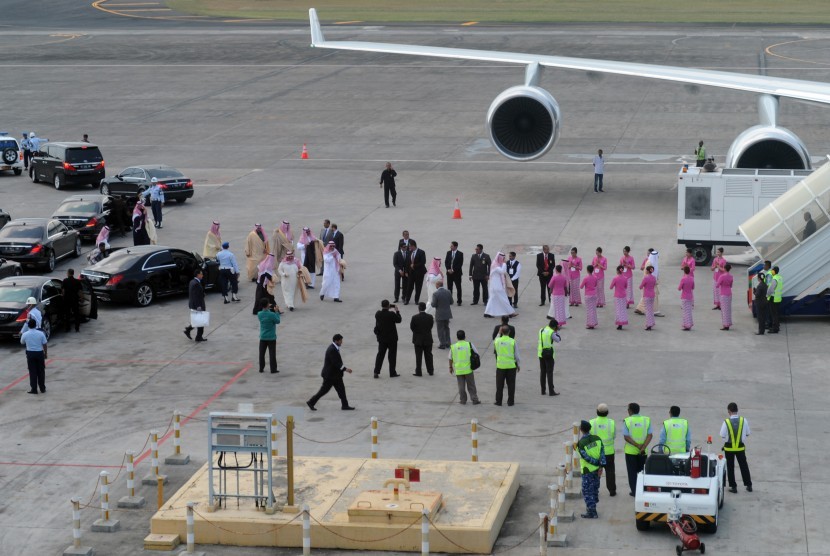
[(768, 145), (771, 147), (523, 122)]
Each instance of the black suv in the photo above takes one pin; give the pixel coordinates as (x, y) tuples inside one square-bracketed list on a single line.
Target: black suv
[(68, 164)]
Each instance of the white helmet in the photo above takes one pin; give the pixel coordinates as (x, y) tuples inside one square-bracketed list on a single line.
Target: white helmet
[(31, 134), (154, 180), (31, 301)]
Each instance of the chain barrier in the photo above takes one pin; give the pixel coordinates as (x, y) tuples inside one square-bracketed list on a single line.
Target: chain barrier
[(467, 424), (524, 540), (92, 496), (272, 530), (526, 435), (330, 441), (336, 534)]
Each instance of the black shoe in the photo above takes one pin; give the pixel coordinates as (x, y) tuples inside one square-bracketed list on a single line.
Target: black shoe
[(631, 494), (395, 375), (554, 393), (590, 515), (321, 298), (418, 374), (311, 407), (459, 303), (291, 308), (430, 373), (733, 490), (262, 370), (543, 392), (309, 287), (347, 408), (477, 403), (759, 333), (337, 300), (43, 391), (509, 404), (187, 332), (612, 493), (32, 392), (406, 302), (497, 403), (201, 340), (748, 489), (274, 372), (396, 300), (486, 316), (393, 204), (377, 375), (542, 304), (474, 303)]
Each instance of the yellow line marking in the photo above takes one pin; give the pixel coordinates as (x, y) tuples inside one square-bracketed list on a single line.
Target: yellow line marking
[(135, 4), (347, 22), (769, 51), (147, 10), (469, 23)]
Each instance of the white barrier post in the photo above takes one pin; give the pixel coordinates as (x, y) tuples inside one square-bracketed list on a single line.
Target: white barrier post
[(191, 534), (474, 437), (577, 470), (274, 429), (425, 532), (543, 545), (564, 515), (555, 538), (568, 465), (178, 458), (153, 478), (105, 524), (374, 438), (76, 549), (131, 500), (306, 531)]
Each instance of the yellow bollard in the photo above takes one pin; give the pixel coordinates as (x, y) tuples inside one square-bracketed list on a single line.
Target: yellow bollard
[(160, 492), (474, 437), (105, 524), (374, 438)]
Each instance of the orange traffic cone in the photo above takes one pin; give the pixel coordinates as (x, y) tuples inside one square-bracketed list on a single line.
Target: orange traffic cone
[(304, 156), (456, 214)]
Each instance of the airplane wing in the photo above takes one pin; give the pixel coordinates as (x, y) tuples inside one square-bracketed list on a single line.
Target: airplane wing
[(777, 86)]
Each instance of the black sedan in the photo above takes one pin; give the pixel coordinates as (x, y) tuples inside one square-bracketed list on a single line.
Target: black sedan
[(140, 274), (88, 214), (135, 180), (38, 242), (16, 290)]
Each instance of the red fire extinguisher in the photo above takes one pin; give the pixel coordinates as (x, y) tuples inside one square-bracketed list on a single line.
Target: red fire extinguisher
[(695, 469)]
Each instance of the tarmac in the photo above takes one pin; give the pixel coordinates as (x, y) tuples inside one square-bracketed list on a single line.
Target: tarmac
[(232, 104)]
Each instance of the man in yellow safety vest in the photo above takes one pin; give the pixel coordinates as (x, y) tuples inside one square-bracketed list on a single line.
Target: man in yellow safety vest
[(734, 431), (675, 434), (461, 364), (775, 294), (637, 434), (507, 365), (606, 429)]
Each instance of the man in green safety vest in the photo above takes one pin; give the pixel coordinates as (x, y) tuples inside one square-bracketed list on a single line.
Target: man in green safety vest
[(775, 294), (675, 434), (734, 431), (460, 364), (606, 429), (700, 151), (546, 352), (507, 365), (592, 452), (637, 434)]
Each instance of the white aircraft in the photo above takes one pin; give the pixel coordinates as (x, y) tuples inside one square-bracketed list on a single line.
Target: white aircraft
[(524, 120)]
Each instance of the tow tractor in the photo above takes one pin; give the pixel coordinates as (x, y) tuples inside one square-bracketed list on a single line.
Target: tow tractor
[(685, 491)]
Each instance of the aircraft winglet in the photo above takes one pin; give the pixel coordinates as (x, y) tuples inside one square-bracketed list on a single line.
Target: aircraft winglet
[(317, 37)]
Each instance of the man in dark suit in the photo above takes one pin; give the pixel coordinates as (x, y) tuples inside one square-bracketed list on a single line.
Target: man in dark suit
[(337, 238), (454, 263), (505, 321), (400, 260), (421, 326), (196, 302), (545, 263), (480, 273), (71, 300), (386, 331), (417, 271), (442, 303), (332, 374), (325, 235)]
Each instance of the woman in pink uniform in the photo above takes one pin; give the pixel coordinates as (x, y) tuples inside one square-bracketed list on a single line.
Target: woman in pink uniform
[(688, 261), (718, 264), (628, 262), (589, 284), (620, 285), (725, 288), (574, 265), (647, 285), (687, 297), (600, 265), (558, 286)]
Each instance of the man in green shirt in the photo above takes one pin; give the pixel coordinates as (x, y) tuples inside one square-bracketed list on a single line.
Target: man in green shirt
[(700, 151), (269, 318)]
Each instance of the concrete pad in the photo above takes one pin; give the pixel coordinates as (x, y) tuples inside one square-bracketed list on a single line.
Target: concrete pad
[(131, 502), (180, 459), (153, 480), (559, 540), (476, 499), (161, 542), (79, 551), (106, 525)]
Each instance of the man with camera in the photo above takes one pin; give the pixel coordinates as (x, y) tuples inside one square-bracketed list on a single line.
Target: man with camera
[(386, 331), (269, 318)]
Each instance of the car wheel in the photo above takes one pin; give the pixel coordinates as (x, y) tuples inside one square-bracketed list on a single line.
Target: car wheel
[(77, 252), (50, 262), (18, 171), (702, 548), (10, 156), (58, 182), (642, 524), (701, 253), (144, 294), (33, 175), (181, 201), (46, 326), (105, 189)]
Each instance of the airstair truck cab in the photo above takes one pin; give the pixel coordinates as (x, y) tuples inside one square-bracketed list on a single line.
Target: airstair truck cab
[(711, 205)]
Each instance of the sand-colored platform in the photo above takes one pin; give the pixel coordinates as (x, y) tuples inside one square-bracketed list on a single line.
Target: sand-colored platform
[(475, 500)]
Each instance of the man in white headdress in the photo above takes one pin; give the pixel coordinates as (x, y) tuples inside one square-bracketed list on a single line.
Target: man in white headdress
[(256, 249), (331, 273), (289, 275), (310, 254), (282, 240)]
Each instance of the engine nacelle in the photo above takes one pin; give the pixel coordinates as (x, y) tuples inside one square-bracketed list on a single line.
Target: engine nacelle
[(523, 122), (770, 147)]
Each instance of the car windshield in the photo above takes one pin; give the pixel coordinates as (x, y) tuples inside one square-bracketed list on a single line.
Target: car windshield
[(78, 207), (84, 154), (163, 173), (16, 294), (21, 232), (8, 144)]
